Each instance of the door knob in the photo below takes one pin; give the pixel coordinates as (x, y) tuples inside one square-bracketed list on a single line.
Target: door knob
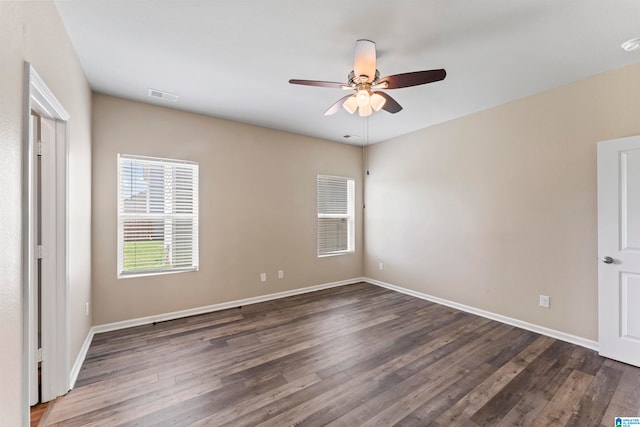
[(607, 260)]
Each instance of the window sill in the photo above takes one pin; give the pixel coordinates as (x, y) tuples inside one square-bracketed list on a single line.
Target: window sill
[(133, 275), (336, 254)]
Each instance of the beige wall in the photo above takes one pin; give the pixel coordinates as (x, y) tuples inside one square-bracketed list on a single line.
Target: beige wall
[(257, 208), (33, 31), (495, 208)]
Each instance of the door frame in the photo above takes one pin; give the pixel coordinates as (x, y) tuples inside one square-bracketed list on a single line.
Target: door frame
[(55, 303)]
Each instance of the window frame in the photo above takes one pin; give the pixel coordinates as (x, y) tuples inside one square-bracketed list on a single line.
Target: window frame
[(121, 216), (350, 217)]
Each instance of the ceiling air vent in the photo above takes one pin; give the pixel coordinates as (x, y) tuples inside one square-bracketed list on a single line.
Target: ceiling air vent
[(154, 93)]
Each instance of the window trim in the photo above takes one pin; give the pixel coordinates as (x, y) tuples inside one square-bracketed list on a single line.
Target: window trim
[(195, 264), (351, 240)]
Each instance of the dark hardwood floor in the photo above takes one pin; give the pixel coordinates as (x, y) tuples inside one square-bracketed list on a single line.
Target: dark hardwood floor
[(350, 356)]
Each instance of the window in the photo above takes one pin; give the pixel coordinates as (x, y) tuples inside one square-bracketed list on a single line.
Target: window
[(335, 215), (157, 216)]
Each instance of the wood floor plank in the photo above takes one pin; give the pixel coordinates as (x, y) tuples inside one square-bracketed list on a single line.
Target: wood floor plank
[(383, 374), (532, 403), (372, 406), (560, 408), (411, 401), (596, 398), (625, 401), (275, 409), (503, 401), (431, 409), (347, 356), (461, 411), (258, 402)]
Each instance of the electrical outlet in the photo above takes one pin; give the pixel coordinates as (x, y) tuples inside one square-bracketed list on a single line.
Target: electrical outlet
[(544, 301), (86, 308), (280, 274), (380, 266), (263, 277)]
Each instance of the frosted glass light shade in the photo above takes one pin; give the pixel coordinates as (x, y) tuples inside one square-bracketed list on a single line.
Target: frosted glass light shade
[(377, 101), (351, 105), (363, 98), (365, 111)]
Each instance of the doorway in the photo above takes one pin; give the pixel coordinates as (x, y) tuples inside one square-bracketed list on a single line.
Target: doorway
[(46, 324)]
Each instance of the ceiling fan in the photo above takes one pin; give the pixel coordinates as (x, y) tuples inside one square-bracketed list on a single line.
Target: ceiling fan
[(364, 78)]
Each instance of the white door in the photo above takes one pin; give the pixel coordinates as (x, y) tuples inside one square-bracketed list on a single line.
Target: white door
[(34, 295), (48, 258), (42, 275), (619, 249)]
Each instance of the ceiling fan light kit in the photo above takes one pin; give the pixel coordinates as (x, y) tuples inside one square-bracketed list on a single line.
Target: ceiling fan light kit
[(366, 77), (365, 101)]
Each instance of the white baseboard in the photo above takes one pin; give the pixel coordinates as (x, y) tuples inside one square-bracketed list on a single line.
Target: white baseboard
[(75, 369), (573, 339), (217, 307)]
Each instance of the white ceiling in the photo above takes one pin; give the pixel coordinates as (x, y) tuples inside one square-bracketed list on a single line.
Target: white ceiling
[(233, 58)]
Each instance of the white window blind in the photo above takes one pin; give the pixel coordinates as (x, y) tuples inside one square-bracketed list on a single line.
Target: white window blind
[(157, 215), (336, 222)]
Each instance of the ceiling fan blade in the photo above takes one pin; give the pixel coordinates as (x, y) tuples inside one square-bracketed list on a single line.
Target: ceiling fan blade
[(364, 62), (336, 107), (416, 78), (390, 105), (319, 83)]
